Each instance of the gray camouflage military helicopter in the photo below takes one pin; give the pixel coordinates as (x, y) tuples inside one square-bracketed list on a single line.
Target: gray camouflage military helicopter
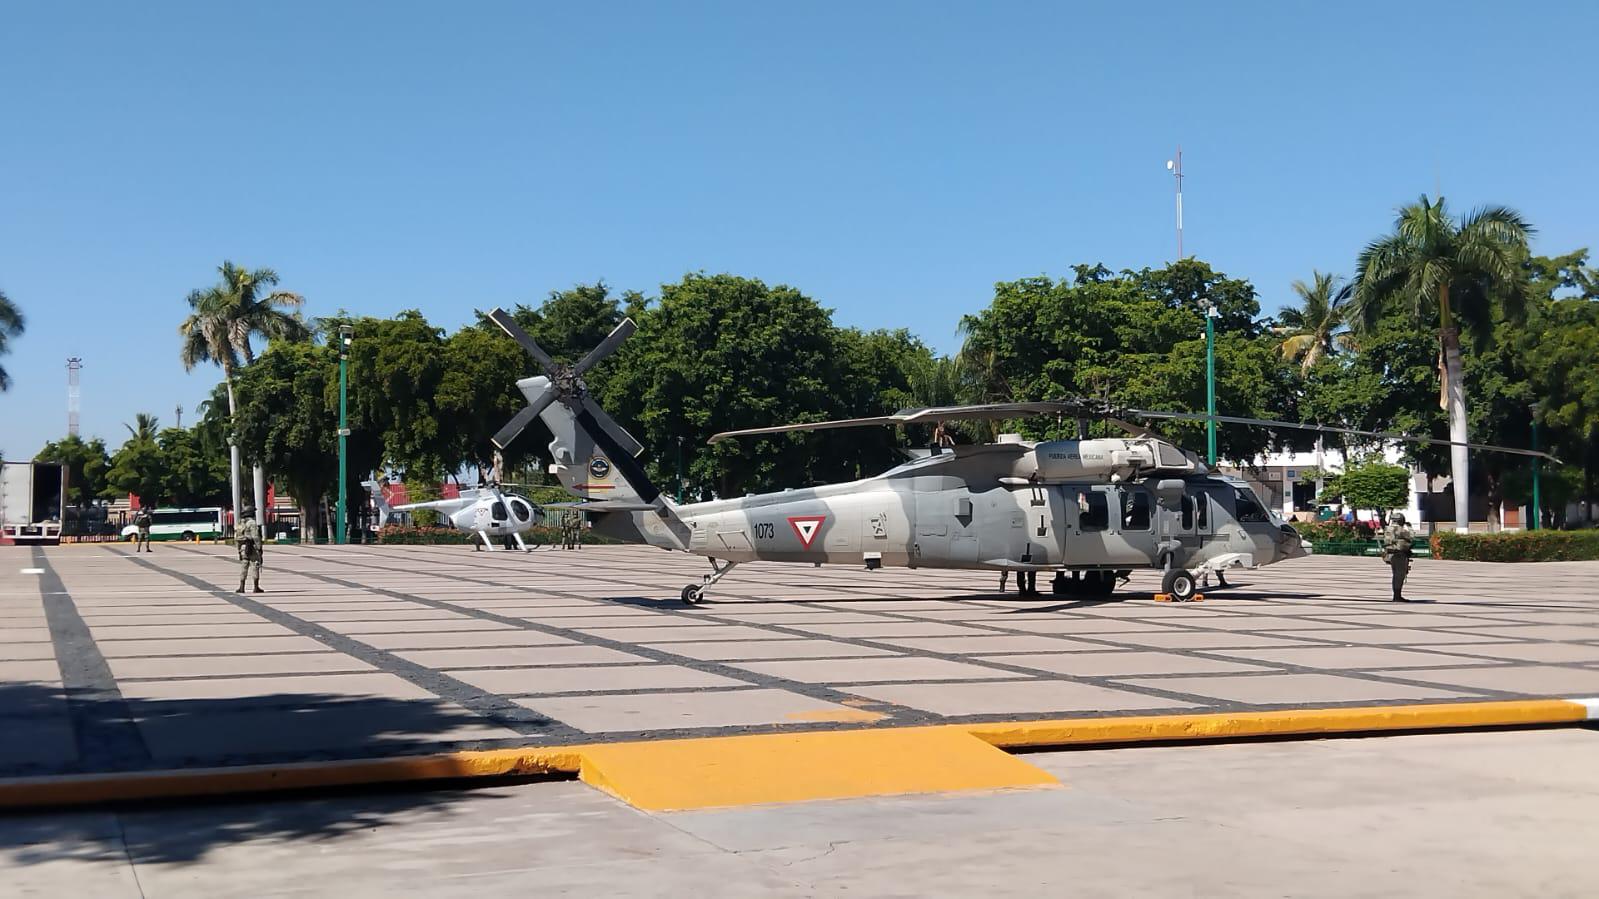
[(489, 512), (1090, 510)]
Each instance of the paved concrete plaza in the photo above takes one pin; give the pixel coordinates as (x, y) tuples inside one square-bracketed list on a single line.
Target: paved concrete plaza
[(115, 661), (1471, 814)]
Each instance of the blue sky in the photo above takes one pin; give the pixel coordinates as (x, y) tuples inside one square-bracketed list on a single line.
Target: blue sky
[(892, 160)]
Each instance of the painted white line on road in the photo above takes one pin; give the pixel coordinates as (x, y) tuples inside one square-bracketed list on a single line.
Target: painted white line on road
[(33, 571)]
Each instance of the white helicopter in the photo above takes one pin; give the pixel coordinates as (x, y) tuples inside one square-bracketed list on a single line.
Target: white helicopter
[(493, 514)]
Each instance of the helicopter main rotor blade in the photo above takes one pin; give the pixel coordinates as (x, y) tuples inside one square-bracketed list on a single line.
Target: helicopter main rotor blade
[(621, 436), (930, 415), (505, 435), (806, 426), (508, 325), (607, 346), (1329, 429)]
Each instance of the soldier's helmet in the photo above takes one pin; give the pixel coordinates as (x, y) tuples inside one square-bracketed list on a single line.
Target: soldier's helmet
[(1396, 518)]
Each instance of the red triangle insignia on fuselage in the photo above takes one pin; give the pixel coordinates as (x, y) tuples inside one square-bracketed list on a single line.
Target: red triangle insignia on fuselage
[(806, 527)]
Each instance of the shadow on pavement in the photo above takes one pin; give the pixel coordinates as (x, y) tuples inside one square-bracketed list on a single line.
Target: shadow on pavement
[(37, 727), (44, 727)]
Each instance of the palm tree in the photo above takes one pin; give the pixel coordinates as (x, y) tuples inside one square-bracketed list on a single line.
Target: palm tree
[(144, 427), (1450, 272), (10, 326), (223, 320), (1313, 330)]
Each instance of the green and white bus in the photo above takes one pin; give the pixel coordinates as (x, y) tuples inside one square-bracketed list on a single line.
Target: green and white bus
[(181, 524)]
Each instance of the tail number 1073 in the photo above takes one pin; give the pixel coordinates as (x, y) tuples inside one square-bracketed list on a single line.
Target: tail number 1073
[(764, 530)]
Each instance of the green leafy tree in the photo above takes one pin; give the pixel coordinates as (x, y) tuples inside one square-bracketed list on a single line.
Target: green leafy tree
[(1372, 485), (396, 368), (719, 352), (288, 422), (1446, 272), (1316, 327), (477, 395), (223, 321), (11, 325), (1135, 338), (196, 475), (1559, 351), (86, 462), (138, 466)]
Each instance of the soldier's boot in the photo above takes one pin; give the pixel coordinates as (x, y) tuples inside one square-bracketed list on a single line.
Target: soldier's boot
[(258, 587), (241, 587)]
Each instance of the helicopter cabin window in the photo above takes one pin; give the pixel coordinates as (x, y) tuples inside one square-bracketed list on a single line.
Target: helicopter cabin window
[(1093, 511), (1137, 512), (1188, 513), (1247, 508), (498, 511), (1202, 505)]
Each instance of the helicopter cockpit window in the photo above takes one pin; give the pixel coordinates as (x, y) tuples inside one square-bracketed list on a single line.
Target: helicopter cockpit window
[(1188, 513), (1093, 511), (498, 511), (519, 510), (1137, 512), (1247, 508)]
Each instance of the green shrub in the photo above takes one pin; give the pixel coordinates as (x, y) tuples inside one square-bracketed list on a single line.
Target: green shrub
[(1334, 531), (1517, 546)]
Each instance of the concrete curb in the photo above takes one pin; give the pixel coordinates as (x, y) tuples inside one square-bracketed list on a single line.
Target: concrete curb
[(88, 789)]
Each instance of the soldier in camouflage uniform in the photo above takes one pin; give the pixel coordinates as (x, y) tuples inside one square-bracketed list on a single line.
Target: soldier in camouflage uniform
[(142, 521), (248, 537), (1396, 540), (572, 530)]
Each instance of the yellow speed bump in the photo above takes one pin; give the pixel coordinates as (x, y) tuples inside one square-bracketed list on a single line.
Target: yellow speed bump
[(713, 772), (1224, 725), (672, 775)]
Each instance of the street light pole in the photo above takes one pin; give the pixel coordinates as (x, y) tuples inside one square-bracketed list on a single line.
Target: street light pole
[(1210, 380), (680, 470), (1537, 466), (346, 334)]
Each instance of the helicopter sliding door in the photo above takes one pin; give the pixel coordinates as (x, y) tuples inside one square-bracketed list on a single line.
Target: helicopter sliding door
[(1106, 527)]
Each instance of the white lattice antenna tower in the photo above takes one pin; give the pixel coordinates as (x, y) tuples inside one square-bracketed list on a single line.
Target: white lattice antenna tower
[(74, 365)]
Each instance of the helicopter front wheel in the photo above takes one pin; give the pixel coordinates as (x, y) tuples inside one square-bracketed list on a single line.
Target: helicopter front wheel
[(693, 595), (1180, 584)]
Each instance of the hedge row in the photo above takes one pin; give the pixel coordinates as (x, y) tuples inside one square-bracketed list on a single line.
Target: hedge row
[(1517, 546), (1334, 531)]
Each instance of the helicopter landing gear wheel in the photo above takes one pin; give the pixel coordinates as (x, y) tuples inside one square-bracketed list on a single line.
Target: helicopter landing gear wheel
[(693, 595), (1180, 584)]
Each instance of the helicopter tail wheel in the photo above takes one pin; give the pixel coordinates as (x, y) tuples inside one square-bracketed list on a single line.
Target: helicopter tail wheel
[(1179, 584), (693, 595)]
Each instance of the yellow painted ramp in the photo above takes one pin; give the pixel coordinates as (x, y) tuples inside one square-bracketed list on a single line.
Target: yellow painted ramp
[(676, 775)]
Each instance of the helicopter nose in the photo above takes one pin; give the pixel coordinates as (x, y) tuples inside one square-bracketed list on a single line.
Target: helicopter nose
[(1290, 544)]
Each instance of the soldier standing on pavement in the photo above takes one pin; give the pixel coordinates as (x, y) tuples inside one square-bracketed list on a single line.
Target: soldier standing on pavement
[(1396, 540), (249, 540), (142, 522)]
